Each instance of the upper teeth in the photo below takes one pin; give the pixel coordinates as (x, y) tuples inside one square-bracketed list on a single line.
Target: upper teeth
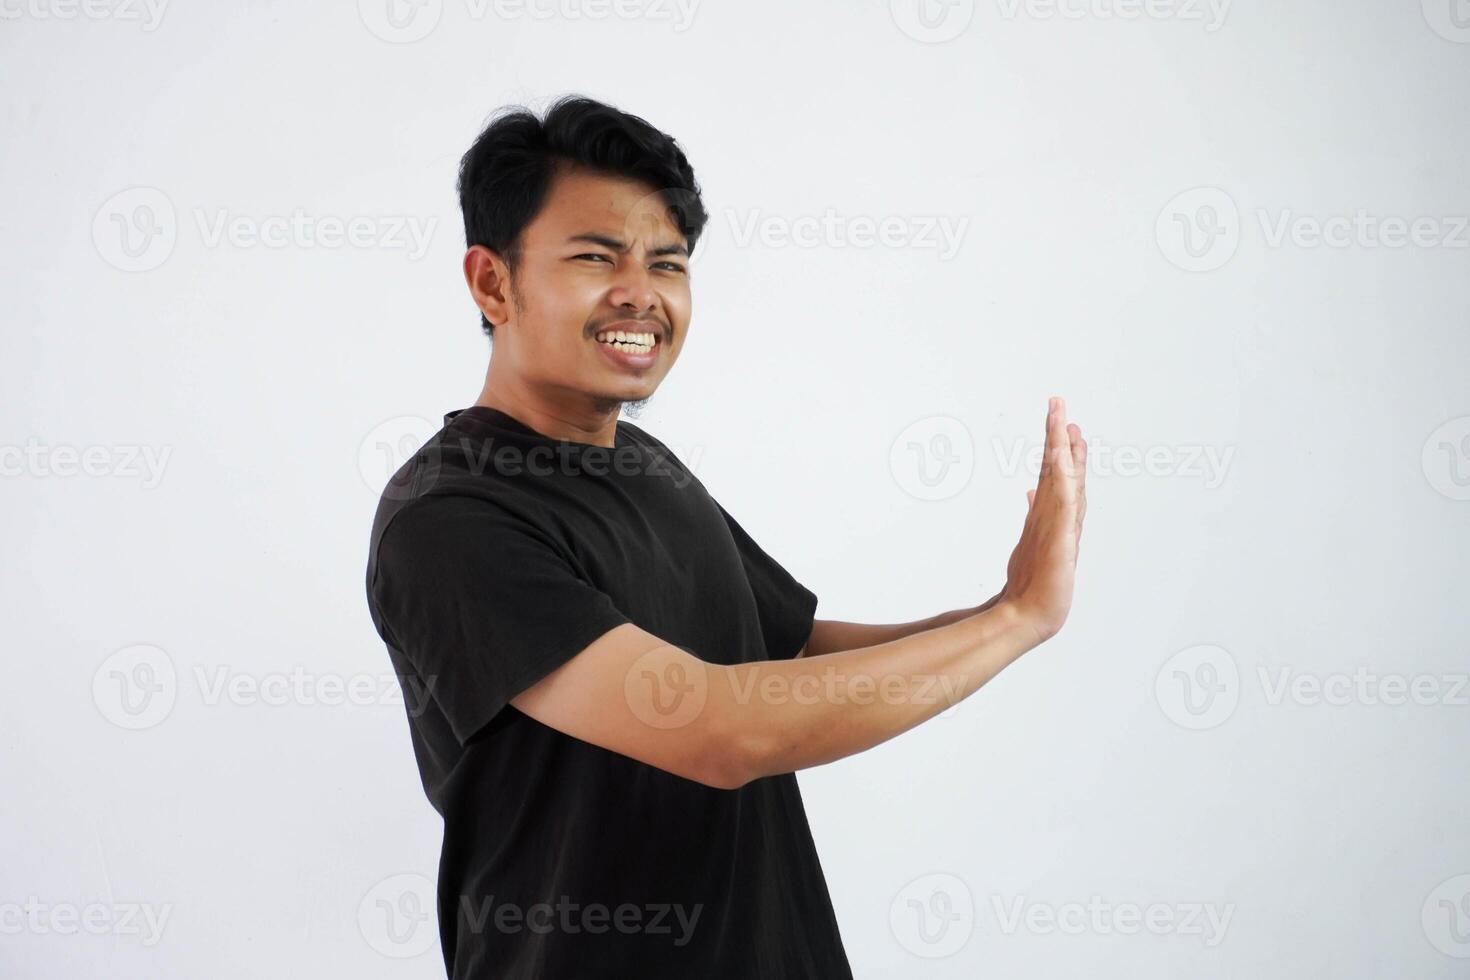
[(646, 339)]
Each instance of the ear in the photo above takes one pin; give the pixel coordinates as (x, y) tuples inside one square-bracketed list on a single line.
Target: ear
[(488, 277)]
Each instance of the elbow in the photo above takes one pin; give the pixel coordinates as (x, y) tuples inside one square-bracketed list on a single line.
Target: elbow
[(735, 758)]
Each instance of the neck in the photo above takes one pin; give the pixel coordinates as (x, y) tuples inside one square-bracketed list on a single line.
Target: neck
[(577, 418)]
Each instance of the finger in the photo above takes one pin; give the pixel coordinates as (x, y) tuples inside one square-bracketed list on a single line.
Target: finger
[(1030, 500), (1059, 447), (1046, 449), (1081, 513), (1078, 453), (1081, 483)]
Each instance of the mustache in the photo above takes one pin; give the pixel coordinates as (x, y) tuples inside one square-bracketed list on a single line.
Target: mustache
[(630, 319)]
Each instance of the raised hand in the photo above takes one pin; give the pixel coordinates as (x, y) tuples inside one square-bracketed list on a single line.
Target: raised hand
[(1042, 568)]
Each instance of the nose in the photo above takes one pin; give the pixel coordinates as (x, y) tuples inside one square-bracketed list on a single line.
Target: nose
[(633, 287)]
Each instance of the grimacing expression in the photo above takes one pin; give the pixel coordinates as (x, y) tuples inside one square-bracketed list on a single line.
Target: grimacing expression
[(603, 251)]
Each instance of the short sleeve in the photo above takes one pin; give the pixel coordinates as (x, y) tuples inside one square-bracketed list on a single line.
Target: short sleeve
[(787, 608), (482, 604)]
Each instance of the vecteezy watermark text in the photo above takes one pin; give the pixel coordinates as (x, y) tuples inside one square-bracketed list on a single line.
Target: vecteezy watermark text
[(653, 918), (95, 918), (1200, 230), (1210, 13), (940, 233), (385, 452), (1200, 687), (149, 13), (935, 915), (1098, 917), (1200, 462), (122, 461), (137, 229), (138, 686), (668, 687), (407, 21), (938, 21)]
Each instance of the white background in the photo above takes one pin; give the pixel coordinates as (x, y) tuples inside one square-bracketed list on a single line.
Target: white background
[(1138, 196)]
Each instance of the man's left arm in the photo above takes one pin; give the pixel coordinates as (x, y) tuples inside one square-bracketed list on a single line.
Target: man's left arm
[(831, 635)]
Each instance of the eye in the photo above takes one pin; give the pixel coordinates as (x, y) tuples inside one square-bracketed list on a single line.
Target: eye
[(669, 266)]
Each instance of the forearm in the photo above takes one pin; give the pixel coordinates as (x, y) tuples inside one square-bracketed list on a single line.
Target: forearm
[(832, 635), (785, 715)]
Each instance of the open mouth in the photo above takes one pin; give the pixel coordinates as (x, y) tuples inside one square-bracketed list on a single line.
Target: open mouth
[(629, 341)]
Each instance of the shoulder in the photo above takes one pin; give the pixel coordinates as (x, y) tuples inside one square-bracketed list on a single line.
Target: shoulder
[(655, 447), (464, 462), (448, 541), (445, 515), (451, 519), (638, 434)]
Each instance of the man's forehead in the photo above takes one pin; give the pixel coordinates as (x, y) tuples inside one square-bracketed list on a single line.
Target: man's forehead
[(602, 196), (613, 209)]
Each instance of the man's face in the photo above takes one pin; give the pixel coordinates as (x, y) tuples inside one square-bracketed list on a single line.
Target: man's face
[(603, 255)]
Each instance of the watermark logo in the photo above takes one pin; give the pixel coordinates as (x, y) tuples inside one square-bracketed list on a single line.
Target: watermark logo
[(400, 21), (1446, 458), (1198, 687), (384, 450), (933, 916), (932, 458), (1450, 19), (135, 230), (1199, 229), (666, 687), (135, 687), (1446, 917), (932, 21), (397, 916)]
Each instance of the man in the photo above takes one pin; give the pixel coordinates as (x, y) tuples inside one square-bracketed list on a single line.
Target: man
[(619, 677)]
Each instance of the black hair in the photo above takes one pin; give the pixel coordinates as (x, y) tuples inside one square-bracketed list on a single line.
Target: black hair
[(505, 176)]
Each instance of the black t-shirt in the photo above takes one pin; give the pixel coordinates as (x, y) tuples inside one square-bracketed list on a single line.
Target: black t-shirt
[(498, 553)]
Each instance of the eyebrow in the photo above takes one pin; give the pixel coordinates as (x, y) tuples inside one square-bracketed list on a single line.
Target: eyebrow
[(620, 246)]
